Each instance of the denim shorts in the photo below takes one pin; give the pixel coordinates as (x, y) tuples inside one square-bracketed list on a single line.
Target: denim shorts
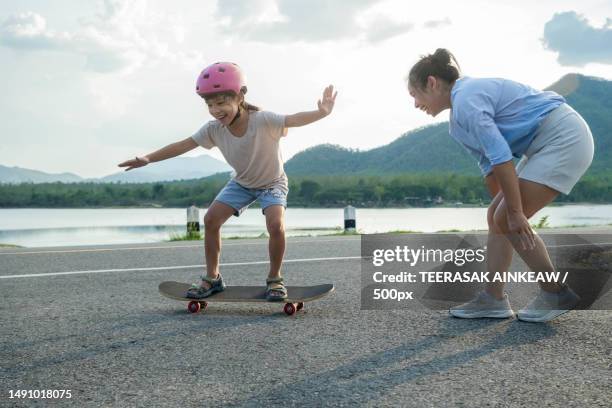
[(239, 197)]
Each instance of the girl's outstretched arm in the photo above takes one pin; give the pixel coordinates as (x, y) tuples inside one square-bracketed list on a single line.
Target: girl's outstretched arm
[(172, 150), (325, 107)]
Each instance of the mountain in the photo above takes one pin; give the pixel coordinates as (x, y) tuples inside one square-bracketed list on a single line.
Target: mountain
[(16, 175), (424, 150), (178, 168), (430, 149)]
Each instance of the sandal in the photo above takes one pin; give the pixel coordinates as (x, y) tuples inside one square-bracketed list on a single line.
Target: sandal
[(276, 289), (198, 292)]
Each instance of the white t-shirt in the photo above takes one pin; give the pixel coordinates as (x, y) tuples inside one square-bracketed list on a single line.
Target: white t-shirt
[(255, 156)]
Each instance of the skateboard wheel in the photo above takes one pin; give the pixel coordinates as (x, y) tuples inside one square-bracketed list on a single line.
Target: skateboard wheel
[(290, 309), (193, 307), (300, 306), (203, 305)]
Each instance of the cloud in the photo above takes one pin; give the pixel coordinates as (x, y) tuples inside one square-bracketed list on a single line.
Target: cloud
[(381, 28), (437, 23), (577, 42), (122, 37), (280, 21), (29, 31)]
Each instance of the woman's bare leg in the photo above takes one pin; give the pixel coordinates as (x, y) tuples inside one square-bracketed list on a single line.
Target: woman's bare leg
[(499, 250), (534, 197)]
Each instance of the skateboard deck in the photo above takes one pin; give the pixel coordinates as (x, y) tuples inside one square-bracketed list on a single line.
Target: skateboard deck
[(297, 295)]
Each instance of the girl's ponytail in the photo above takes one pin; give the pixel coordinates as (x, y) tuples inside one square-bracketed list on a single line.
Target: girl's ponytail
[(248, 107)]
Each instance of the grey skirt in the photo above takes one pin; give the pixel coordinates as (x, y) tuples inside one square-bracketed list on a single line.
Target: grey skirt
[(561, 151)]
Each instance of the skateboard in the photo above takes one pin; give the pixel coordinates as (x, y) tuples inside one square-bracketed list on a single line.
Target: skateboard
[(297, 295)]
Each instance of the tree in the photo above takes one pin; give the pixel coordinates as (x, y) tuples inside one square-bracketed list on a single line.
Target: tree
[(308, 189)]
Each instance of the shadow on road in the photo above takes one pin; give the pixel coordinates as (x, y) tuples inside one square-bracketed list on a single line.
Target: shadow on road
[(375, 375)]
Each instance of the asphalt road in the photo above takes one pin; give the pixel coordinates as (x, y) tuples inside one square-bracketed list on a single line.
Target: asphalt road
[(90, 320)]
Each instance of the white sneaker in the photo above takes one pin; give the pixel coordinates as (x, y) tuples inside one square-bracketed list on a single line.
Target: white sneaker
[(546, 305), (483, 305)]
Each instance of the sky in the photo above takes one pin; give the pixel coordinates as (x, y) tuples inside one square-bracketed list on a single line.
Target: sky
[(88, 84)]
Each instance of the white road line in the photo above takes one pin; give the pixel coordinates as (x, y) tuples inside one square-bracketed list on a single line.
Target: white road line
[(97, 250), (200, 245), (161, 268), (225, 244), (579, 245)]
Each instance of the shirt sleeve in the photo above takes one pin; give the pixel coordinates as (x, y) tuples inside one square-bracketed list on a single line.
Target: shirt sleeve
[(203, 137), (483, 162), (485, 166), (477, 113), (275, 123)]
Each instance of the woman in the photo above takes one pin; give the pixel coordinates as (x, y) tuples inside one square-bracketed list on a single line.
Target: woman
[(496, 120)]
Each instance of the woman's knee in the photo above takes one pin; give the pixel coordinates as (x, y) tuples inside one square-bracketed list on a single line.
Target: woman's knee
[(490, 219), (492, 222), (500, 220)]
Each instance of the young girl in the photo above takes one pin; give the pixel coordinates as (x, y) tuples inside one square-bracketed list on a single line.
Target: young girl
[(249, 140), (496, 120)]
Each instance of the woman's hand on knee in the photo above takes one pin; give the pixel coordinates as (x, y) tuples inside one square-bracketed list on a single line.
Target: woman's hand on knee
[(519, 228)]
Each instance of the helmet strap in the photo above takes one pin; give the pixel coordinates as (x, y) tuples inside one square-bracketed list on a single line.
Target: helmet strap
[(237, 113)]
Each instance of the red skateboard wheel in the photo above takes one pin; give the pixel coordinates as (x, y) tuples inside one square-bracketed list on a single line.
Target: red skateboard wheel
[(290, 309), (193, 307)]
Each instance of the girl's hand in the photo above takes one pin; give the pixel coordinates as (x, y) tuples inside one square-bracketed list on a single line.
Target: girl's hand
[(134, 163), (518, 226), (326, 104)]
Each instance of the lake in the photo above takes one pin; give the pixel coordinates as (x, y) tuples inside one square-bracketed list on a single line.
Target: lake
[(58, 227)]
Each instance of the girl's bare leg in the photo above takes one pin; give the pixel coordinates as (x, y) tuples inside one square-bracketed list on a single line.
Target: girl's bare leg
[(275, 222), (218, 213)]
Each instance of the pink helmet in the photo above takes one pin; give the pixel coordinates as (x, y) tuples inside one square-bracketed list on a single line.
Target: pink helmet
[(221, 77)]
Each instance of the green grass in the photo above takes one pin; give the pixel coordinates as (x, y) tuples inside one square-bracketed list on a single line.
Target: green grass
[(194, 236), (543, 223), (339, 233)]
